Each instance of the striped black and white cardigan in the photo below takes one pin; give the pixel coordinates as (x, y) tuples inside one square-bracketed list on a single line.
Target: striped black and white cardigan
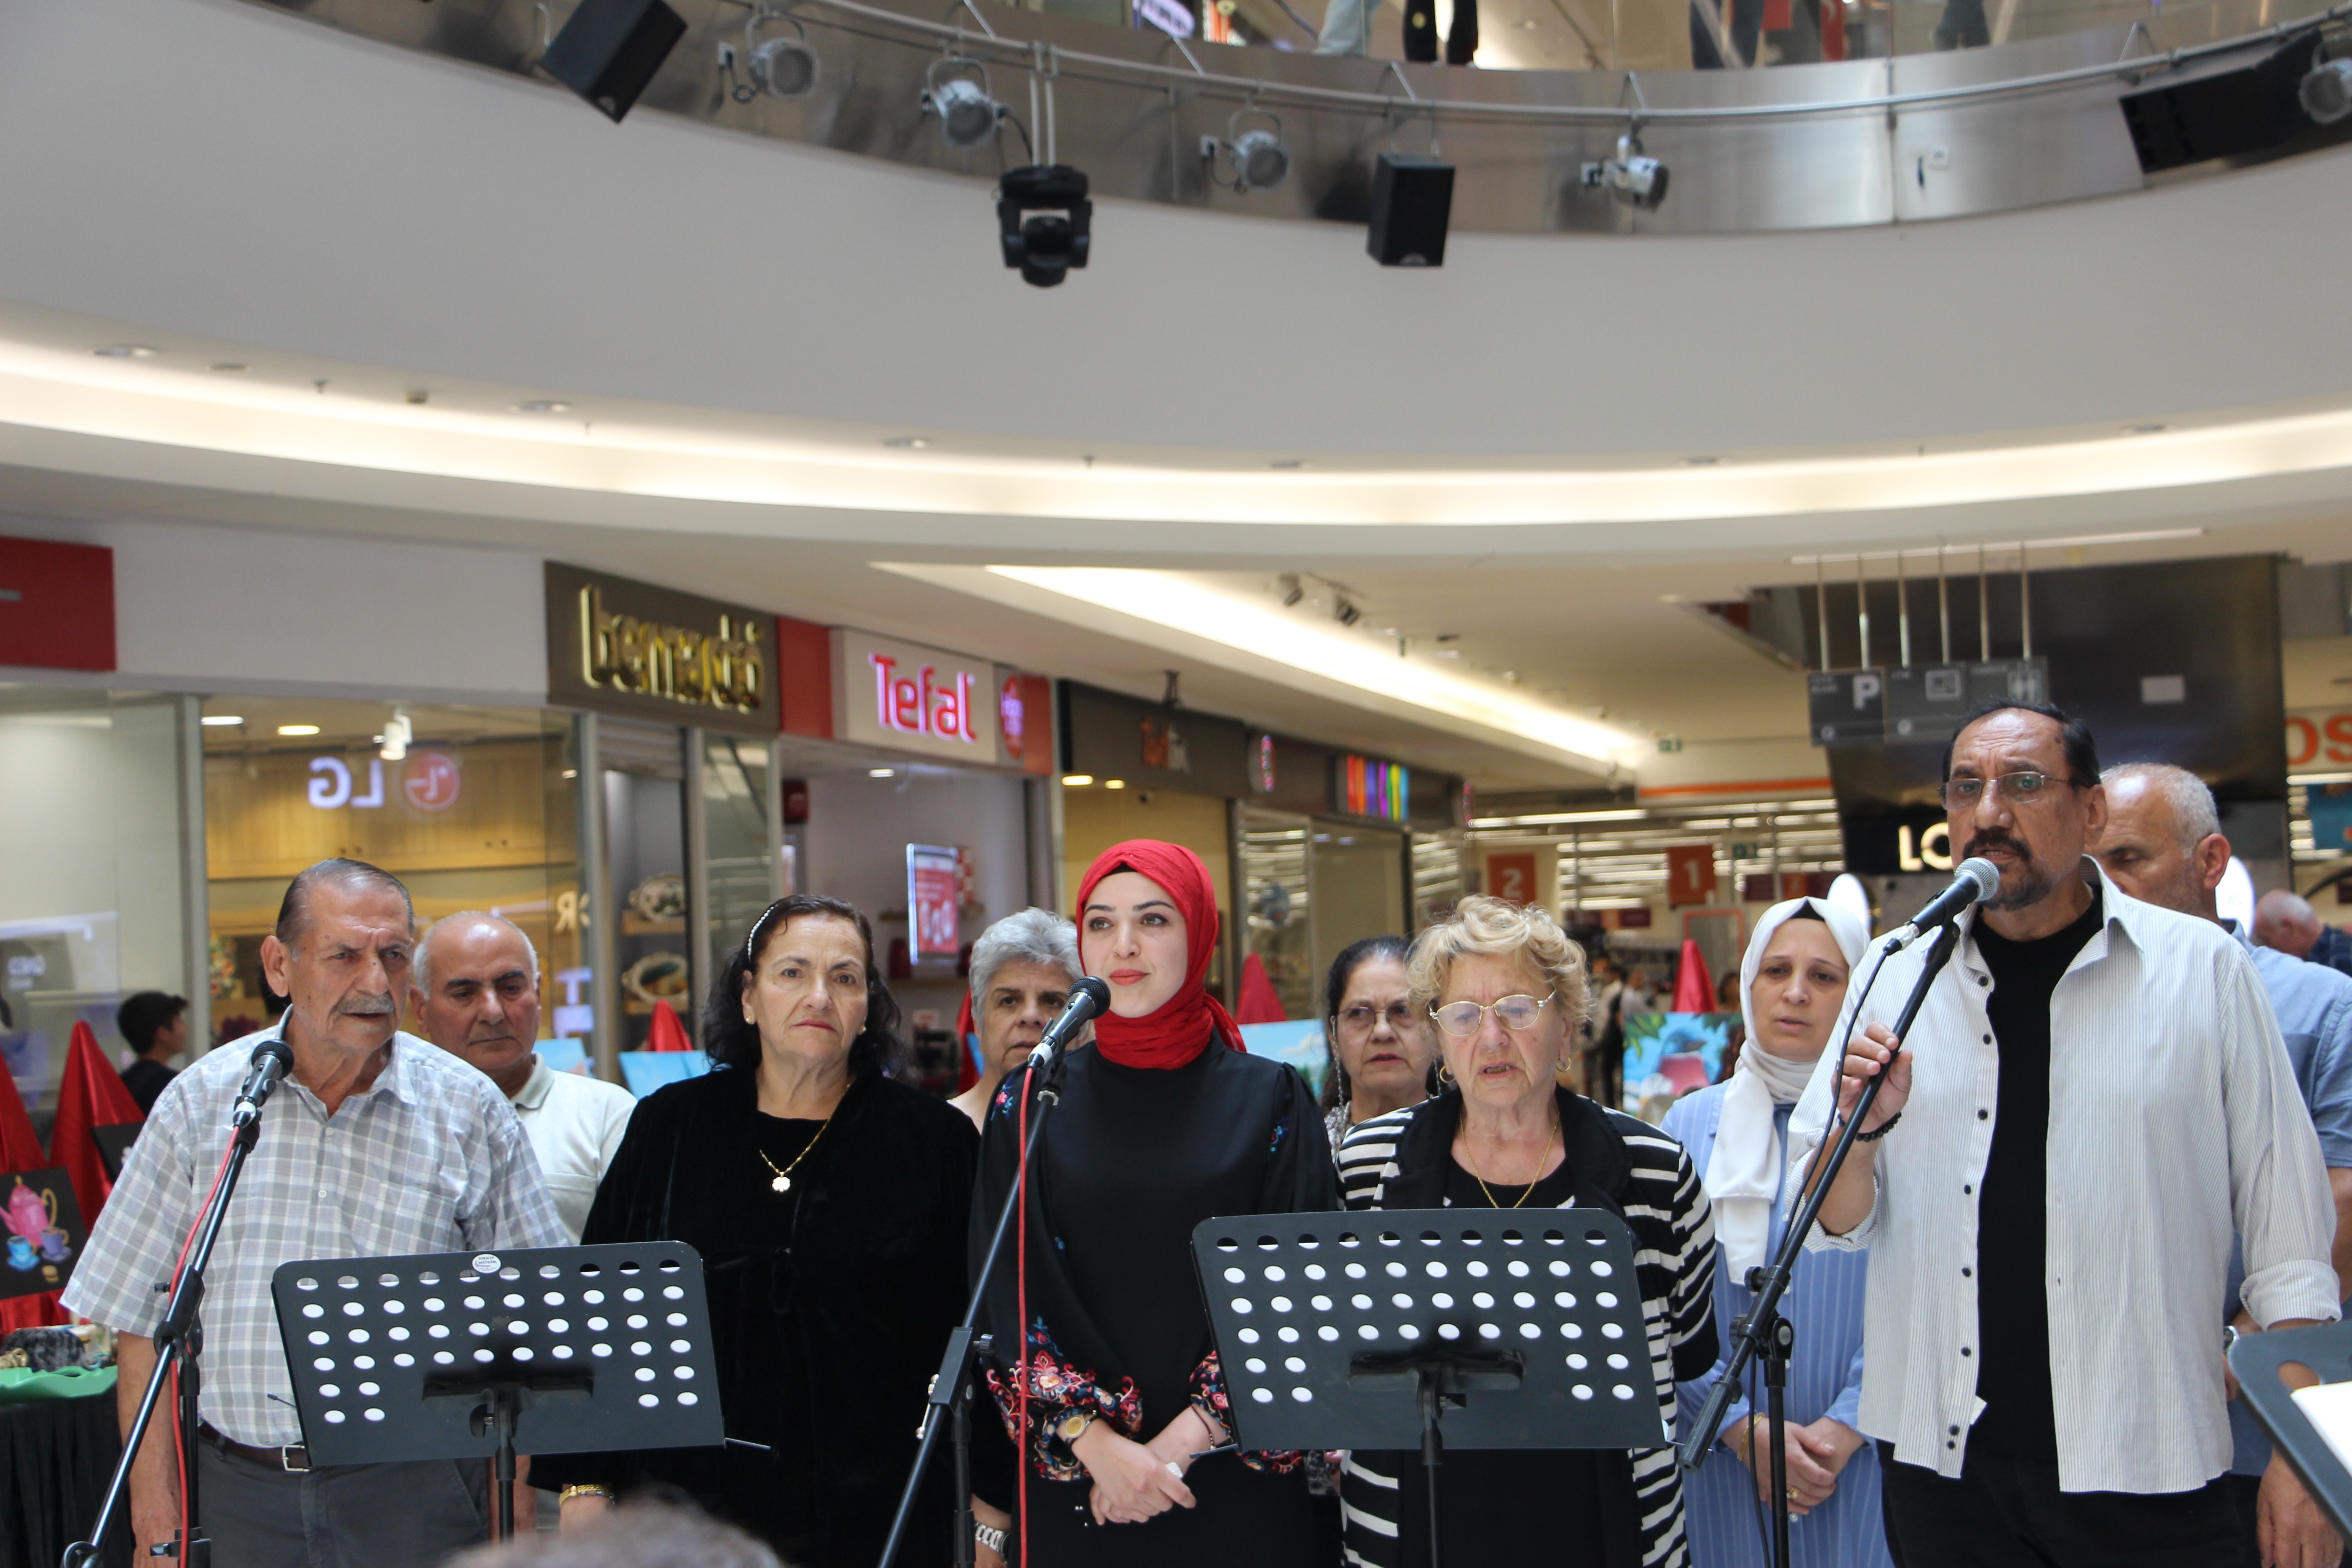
[(1398, 1160)]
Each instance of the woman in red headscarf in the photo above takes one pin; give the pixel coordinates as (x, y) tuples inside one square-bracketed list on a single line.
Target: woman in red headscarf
[(1164, 1122)]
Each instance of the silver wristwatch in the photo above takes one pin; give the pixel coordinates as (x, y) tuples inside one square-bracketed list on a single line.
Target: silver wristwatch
[(990, 1536)]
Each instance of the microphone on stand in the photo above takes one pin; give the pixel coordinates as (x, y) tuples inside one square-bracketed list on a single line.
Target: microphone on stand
[(1975, 878), (271, 1062), (1089, 999)]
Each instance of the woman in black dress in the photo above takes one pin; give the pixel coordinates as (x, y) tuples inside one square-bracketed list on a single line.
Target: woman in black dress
[(830, 1206), (1164, 1122), (1505, 989)]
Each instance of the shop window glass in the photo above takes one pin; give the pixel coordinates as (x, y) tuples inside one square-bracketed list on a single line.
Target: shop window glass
[(1280, 905), (471, 807), (90, 866), (738, 806)]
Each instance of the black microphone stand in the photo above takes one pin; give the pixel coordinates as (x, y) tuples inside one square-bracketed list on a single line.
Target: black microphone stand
[(952, 1386), (179, 1341), (1762, 1334)]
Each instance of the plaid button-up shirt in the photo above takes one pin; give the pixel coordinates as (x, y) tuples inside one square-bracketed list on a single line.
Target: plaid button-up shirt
[(430, 1158)]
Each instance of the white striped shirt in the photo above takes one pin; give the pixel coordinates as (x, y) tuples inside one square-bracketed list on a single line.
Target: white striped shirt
[(2173, 1112), (1674, 1258)]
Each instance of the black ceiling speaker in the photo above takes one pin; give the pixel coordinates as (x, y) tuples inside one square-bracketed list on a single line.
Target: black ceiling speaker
[(1412, 198), (609, 49), (2227, 115)]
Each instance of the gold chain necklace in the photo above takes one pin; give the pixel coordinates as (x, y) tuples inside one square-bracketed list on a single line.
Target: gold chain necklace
[(1525, 1192), (784, 1182)]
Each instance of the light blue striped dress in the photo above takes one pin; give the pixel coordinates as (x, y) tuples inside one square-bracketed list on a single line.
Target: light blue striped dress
[(1727, 1528)]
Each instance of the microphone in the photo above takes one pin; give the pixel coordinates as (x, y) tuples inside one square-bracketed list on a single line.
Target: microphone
[(1975, 878), (1088, 998), (271, 1062)]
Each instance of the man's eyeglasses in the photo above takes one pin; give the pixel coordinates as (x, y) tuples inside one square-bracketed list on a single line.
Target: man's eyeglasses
[(1362, 1018), (1514, 1013), (2024, 787)]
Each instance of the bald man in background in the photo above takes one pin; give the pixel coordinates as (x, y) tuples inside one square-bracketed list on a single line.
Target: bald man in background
[(2286, 922), (2163, 844), (475, 989)]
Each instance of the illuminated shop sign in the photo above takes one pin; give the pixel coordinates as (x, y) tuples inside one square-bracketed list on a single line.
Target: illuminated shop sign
[(631, 648), (1366, 786), (934, 900), (427, 781), (909, 698)]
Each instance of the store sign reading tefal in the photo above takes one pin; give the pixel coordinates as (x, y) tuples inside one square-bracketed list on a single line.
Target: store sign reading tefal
[(621, 646), (913, 699)]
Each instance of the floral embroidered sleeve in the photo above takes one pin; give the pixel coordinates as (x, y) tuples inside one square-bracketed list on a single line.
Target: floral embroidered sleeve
[(1208, 1399), (1064, 1400)]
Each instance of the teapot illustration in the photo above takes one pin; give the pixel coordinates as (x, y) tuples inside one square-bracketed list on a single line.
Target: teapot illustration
[(30, 1213)]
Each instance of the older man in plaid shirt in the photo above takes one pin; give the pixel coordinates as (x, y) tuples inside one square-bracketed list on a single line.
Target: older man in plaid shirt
[(377, 1145)]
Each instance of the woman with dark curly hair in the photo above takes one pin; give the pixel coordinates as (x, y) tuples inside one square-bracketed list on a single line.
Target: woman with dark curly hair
[(829, 1204)]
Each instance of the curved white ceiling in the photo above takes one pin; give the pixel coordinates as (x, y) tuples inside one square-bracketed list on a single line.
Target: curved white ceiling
[(745, 320)]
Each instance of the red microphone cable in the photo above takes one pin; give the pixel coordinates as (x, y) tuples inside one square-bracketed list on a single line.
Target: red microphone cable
[(1021, 1308)]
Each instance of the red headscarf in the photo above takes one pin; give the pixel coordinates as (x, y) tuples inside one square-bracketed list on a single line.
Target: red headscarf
[(1178, 1029)]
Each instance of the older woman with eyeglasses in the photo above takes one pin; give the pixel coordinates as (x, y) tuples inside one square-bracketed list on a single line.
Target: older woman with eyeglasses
[(1505, 990), (1381, 1052)]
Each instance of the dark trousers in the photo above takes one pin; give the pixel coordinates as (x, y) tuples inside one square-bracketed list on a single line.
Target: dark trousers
[(1421, 32), (2009, 1513), (339, 1516)]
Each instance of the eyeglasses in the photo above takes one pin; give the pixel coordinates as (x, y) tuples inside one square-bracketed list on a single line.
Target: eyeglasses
[(2024, 787), (1362, 1018), (1514, 1013)]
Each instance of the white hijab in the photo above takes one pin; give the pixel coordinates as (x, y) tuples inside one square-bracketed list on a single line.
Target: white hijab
[(1743, 1175)]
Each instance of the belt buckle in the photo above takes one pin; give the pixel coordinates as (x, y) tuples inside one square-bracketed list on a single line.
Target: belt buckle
[(295, 1458)]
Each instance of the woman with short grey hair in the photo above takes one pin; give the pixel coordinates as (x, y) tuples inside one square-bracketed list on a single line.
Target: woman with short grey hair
[(1021, 970)]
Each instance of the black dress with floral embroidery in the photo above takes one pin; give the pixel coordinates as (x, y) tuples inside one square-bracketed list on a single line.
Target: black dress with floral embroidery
[(1129, 1162)]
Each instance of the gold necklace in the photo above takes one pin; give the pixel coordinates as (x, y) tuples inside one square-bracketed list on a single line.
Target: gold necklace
[(784, 1182), (1525, 1192)]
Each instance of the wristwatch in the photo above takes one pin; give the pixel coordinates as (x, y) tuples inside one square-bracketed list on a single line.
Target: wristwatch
[(990, 1536)]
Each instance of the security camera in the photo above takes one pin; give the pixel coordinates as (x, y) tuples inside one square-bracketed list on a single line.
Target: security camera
[(1634, 179)]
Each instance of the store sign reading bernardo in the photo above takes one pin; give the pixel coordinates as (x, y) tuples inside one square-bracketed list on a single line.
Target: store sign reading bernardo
[(908, 698), (630, 647)]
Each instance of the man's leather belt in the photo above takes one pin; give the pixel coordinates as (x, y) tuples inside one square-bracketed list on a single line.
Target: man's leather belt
[(293, 1458)]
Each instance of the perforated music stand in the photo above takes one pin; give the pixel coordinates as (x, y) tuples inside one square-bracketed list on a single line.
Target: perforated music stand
[(2326, 1351), (1365, 1331), (544, 1350)]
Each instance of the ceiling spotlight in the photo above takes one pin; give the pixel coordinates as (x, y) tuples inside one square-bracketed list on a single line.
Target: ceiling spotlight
[(297, 728), (968, 111), (1632, 178), (1344, 610), (393, 744), (542, 405), (1044, 220), (1261, 160), (2325, 91), (781, 67), (1292, 590), (124, 351), (222, 721), (1077, 780), (881, 773)]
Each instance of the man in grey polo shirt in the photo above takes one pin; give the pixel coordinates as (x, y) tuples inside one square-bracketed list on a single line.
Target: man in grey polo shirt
[(2163, 843), (376, 1145)]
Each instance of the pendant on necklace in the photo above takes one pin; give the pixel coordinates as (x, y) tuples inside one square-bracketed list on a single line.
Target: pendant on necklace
[(781, 1183)]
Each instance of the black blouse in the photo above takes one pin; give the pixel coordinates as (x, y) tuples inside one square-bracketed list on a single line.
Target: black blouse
[(830, 1303), (1130, 1161)]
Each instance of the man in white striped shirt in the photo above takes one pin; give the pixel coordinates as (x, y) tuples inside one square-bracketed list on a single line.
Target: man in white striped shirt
[(2096, 1094)]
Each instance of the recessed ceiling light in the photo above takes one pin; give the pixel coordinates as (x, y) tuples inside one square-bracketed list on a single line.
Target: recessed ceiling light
[(881, 773), (124, 351), (2148, 429), (571, 773), (906, 442), (542, 405), (222, 721), (1114, 784), (297, 728), (227, 367), (1077, 780), (1288, 463), (1701, 462)]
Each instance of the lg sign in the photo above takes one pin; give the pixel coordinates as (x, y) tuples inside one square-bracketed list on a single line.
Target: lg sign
[(428, 781), (920, 704)]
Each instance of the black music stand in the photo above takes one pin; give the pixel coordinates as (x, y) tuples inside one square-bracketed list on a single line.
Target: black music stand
[(2327, 1350), (1515, 1330), (449, 1355)]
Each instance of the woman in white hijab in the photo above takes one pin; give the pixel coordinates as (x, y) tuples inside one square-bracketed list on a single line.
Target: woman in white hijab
[(1793, 987)]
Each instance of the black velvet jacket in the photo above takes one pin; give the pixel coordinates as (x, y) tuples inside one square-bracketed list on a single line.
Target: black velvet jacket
[(829, 1307)]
